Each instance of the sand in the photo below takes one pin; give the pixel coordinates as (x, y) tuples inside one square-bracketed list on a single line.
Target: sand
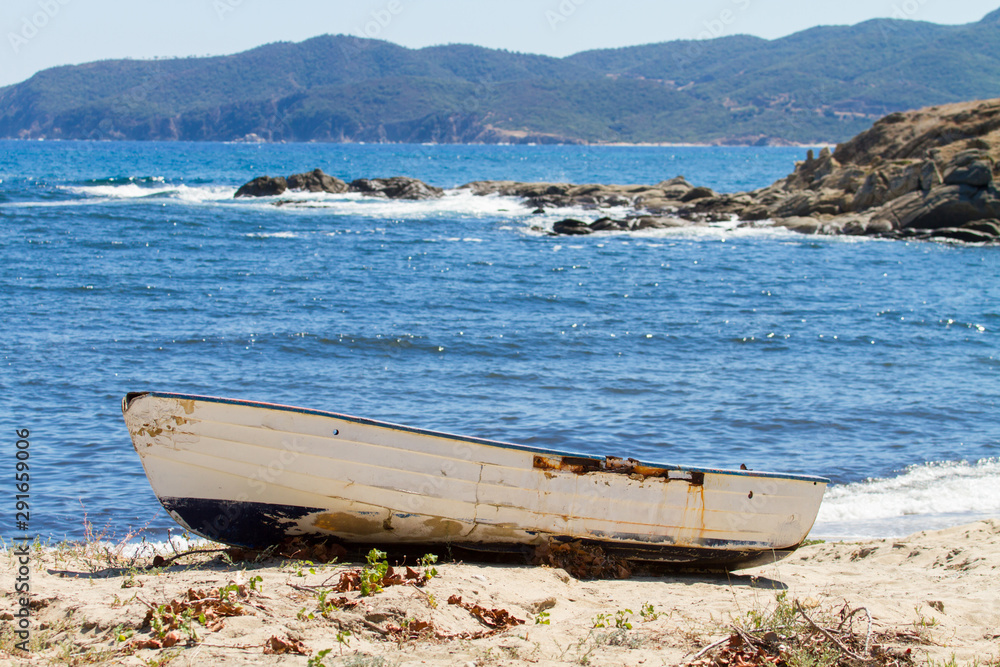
[(934, 593)]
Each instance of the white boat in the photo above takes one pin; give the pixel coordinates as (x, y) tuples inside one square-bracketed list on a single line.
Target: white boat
[(254, 474)]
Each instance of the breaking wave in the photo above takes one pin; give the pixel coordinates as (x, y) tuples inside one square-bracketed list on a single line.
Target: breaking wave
[(922, 497), (149, 188)]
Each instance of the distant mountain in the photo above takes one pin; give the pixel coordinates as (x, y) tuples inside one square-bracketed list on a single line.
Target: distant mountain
[(820, 85)]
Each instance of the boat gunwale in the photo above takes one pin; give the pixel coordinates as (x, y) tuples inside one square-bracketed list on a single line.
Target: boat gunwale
[(131, 396)]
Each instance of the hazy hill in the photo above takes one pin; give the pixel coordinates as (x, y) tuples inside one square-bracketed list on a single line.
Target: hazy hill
[(822, 84)]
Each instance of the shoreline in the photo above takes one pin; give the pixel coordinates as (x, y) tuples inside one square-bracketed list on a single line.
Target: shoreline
[(930, 594)]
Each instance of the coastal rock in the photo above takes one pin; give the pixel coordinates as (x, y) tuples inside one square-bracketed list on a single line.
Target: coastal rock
[(317, 181), (971, 167), (963, 234), (263, 186), (911, 135), (675, 188), (486, 188), (397, 187), (930, 176), (572, 227), (654, 204), (943, 206), (990, 227), (605, 224), (660, 198), (697, 193), (888, 182)]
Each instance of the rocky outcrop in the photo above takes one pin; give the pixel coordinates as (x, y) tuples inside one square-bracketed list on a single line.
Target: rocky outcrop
[(317, 181), (660, 198), (908, 176), (397, 187), (922, 174), (263, 186), (573, 227)]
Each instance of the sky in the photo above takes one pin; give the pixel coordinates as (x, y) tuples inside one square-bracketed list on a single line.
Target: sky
[(38, 34)]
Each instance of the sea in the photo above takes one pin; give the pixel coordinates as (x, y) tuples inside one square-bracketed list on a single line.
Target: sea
[(131, 267)]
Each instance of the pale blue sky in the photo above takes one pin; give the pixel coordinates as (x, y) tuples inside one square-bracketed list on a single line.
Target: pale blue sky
[(37, 34)]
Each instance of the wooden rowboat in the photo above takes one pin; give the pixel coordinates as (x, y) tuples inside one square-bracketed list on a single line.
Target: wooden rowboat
[(253, 474)]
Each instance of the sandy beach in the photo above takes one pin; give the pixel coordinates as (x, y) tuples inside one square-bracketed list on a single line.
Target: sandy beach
[(931, 598)]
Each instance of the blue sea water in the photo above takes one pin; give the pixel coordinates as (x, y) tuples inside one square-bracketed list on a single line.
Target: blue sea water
[(129, 267)]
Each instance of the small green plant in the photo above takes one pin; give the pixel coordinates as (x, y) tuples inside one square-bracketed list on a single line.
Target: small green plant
[(187, 624), (621, 619), (782, 615), (317, 660), (122, 634), (924, 622), (303, 566), (542, 618), (162, 658), (257, 584), (227, 590), (326, 606), (117, 602), (648, 612), (344, 639), (156, 622), (373, 573), (427, 561)]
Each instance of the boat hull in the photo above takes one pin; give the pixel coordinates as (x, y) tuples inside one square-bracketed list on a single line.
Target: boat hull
[(253, 474)]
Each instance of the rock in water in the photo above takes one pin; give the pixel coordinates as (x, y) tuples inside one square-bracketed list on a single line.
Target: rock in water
[(397, 187), (317, 181), (263, 186), (572, 227)]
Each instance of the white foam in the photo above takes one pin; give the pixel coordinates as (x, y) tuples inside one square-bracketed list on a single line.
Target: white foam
[(193, 194), (454, 203), (922, 497), (542, 224), (274, 235)]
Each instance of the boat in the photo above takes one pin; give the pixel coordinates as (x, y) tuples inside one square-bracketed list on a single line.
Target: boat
[(253, 474)]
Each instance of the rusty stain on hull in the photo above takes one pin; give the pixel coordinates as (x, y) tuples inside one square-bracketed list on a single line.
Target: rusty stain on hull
[(612, 464), (351, 524), (575, 464), (440, 527)]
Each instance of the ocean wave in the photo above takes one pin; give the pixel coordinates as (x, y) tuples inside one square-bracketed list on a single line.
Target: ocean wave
[(923, 497), (150, 188), (461, 204), (124, 180)]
